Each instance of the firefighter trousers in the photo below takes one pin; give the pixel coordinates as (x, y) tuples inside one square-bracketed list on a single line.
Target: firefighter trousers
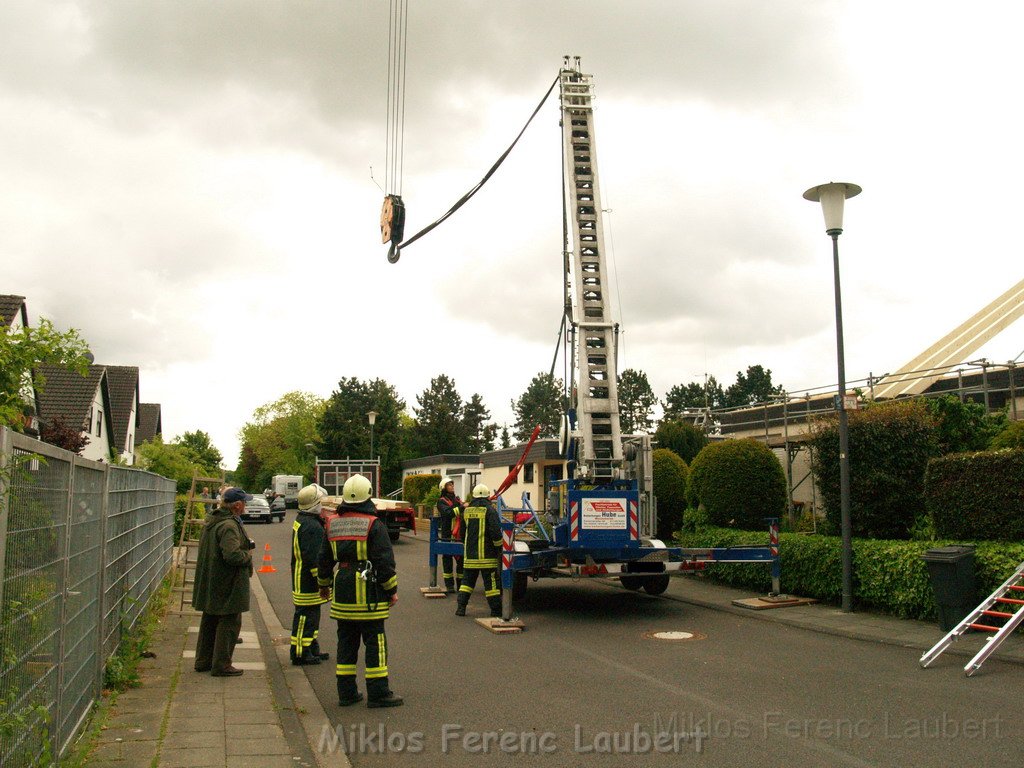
[(370, 634), (305, 639), (451, 569), (492, 588)]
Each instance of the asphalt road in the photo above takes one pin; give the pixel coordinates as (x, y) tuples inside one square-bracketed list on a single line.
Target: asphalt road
[(583, 686)]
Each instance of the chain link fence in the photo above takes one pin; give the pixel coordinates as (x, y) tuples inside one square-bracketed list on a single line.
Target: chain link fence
[(84, 546)]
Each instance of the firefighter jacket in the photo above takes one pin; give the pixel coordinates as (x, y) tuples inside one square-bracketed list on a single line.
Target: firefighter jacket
[(482, 535), (307, 540), (357, 543), (449, 509)]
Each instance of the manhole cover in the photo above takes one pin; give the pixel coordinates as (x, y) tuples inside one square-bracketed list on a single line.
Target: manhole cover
[(674, 635)]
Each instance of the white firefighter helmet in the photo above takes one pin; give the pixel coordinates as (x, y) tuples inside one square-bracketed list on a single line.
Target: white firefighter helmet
[(443, 483), (481, 491), (310, 497), (356, 490)]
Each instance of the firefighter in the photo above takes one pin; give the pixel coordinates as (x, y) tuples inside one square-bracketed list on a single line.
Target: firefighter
[(365, 587), (449, 509), (482, 549), (307, 541)]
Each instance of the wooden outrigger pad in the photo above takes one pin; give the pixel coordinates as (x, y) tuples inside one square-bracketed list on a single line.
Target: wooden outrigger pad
[(502, 627)]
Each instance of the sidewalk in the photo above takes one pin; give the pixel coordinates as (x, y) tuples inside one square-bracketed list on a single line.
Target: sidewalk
[(268, 717)]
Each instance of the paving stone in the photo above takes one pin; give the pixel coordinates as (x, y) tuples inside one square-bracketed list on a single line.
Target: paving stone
[(272, 746), (265, 761), (194, 724), (252, 730), (255, 716), (199, 757), (195, 739)]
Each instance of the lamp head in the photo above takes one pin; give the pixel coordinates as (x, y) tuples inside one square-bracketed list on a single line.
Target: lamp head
[(832, 196)]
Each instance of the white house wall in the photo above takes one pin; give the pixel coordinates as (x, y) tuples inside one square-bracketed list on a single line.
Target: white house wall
[(98, 448), (128, 449)]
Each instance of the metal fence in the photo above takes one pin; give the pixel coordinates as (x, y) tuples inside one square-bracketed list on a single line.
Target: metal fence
[(84, 546)]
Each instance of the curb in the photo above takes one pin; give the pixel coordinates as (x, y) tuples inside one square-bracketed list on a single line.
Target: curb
[(311, 713)]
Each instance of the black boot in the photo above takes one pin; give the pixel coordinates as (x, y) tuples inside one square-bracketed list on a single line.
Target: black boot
[(494, 603), (460, 609), (379, 694), (449, 586), (348, 694)]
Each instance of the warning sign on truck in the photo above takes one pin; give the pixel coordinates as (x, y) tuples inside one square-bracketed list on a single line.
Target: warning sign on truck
[(604, 514)]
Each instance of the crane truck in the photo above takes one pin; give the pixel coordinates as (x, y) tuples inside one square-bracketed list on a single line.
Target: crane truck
[(601, 521)]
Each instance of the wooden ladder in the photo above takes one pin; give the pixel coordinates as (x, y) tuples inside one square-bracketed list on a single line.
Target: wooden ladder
[(197, 505)]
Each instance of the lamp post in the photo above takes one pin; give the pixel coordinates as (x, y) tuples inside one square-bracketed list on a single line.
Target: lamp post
[(832, 197), (372, 416)]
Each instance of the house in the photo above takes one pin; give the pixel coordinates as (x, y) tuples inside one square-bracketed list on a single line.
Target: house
[(544, 464), (80, 402), (463, 469), (123, 382), (14, 316), (150, 425)]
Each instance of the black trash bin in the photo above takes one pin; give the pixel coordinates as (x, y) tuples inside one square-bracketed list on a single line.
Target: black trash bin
[(951, 570)]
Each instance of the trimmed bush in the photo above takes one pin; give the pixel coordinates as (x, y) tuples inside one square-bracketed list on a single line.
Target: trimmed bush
[(738, 482), (670, 473), (977, 495), (888, 575), (416, 487), (890, 445), (682, 438)]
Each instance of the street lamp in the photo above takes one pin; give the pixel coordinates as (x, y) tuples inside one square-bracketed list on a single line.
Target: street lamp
[(832, 197), (372, 416)]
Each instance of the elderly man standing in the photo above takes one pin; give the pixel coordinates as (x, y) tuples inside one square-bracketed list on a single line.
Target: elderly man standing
[(221, 589)]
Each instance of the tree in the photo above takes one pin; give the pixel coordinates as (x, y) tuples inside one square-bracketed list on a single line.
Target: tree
[(739, 483), (480, 434), (962, 427), (506, 441), (636, 401), (542, 403), (754, 386), (275, 441), (21, 352), (57, 432), (170, 460), (684, 439), (199, 446), (683, 397), (1011, 436), (440, 425), (344, 431)]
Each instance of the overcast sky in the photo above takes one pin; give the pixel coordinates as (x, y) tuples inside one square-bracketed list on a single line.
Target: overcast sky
[(188, 184)]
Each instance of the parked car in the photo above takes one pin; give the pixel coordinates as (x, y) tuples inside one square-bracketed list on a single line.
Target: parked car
[(257, 509), (277, 507)]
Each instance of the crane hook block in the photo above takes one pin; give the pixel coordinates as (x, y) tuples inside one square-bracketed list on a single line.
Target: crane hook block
[(392, 224)]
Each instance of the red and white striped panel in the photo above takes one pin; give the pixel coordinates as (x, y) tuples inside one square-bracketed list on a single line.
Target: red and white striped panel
[(773, 539), (506, 549), (634, 521), (574, 521)]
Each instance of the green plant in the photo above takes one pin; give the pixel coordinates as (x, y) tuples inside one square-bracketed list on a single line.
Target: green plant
[(121, 671), (738, 482), (889, 575), (670, 473), (977, 495), (683, 438), (416, 487), (1011, 436), (963, 426), (889, 447)]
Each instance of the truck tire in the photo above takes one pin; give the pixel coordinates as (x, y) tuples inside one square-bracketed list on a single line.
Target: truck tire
[(632, 583), (655, 585), (394, 536)]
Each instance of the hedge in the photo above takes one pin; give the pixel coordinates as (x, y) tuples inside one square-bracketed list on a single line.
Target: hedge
[(738, 483), (890, 445), (416, 487), (977, 495), (888, 575), (669, 471)]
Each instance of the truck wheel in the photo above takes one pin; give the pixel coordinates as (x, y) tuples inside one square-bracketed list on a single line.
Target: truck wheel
[(394, 536), (655, 585), (632, 583), (519, 582)]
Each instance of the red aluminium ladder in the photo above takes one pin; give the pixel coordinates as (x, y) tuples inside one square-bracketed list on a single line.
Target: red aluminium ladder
[(1006, 603)]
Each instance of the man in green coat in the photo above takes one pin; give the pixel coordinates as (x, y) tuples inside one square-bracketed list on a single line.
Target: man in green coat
[(221, 589)]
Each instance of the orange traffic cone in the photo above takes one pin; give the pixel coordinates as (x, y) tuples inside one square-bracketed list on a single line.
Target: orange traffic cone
[(268, 566)]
